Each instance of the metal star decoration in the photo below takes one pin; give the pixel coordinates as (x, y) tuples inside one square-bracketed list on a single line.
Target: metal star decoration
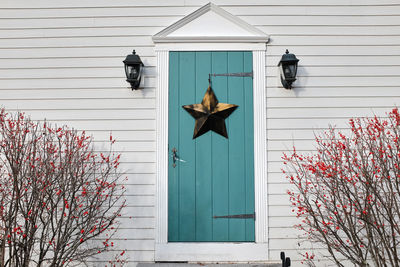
[(210, 115)]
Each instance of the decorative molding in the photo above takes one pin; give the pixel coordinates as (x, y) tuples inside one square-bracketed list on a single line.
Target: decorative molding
[(162, 147), (207, 46), (260, 146), (216, 39), (202, 26)]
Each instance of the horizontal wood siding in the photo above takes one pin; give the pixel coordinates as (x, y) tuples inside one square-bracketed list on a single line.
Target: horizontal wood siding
[(346, 69), (62, 60)]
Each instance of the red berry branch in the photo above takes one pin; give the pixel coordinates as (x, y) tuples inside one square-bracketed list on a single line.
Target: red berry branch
[(346, 194), (58, 197)]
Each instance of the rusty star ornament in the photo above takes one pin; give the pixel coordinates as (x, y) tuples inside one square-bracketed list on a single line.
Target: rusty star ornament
[(210, 115)]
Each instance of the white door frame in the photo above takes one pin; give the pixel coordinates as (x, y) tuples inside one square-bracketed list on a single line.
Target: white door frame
[(210, 28), (212, 251)]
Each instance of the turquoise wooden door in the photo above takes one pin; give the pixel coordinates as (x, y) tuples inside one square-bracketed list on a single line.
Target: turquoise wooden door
[(214, 175)]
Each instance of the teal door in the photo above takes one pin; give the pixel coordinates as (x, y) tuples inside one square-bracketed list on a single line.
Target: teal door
[(211, 180)]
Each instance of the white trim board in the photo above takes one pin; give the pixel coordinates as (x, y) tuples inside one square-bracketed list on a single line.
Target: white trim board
[(211, 252), (210, 46)]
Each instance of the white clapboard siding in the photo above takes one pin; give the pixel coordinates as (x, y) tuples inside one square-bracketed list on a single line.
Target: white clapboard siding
[(340, 71), (84, 93), (331, 50), (338, 60), (51, 23), (277, 10), (76, 114), (278, 189), (309, 10), (133, 255), (282, 221), (77, 32), (138, 167), (99, 12), (93, 41), (62, 61), (321, 81), (133, 189), (141, 245), (287, 145), (93, 125), (141, 178), (334, 40), (328, 102), (313, 30), (121, 136), (62, 73), (68, 82), (161, 3), (136, 221), (137, 234), (289, 123), (324, 4), (276, 200), (137, 156), (305, 134), (74, 52), (305, 20), (341, 81), (76, 103), (141, 201), (53, 73), (351, 91), (89, 4)]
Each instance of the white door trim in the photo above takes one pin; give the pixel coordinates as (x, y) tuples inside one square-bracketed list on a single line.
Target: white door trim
[(257, 251), (210, 28)]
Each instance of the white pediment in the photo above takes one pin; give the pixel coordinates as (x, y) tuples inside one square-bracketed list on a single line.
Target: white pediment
[(210, 23)]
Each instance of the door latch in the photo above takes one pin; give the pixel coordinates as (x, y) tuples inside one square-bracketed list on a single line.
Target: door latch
[(175, 157)]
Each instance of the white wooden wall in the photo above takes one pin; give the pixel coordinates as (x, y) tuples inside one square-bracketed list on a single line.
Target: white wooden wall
[(62, 60)]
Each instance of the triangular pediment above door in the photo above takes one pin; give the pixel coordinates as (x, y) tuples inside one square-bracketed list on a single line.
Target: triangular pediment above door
[(210, 23)]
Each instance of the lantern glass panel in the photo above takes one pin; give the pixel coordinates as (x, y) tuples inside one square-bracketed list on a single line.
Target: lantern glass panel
[(287, 71), (292, 68), (128, 70), (132, 72)]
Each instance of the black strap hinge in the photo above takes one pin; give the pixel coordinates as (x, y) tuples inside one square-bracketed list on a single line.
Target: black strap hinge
[(237, 216), (240, 74)]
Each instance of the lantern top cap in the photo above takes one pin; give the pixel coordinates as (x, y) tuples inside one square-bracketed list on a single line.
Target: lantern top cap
[(288, 58), (133, 59)]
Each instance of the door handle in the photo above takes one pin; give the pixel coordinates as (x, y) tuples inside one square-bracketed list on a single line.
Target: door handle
[(174, 157)]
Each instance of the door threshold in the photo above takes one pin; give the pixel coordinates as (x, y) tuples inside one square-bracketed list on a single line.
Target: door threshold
[(212, 252)]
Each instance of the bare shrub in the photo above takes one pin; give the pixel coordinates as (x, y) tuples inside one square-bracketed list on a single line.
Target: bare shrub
[(59, 199), (347, 193)]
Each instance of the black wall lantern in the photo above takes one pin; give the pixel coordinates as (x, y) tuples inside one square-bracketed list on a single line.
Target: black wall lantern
[(133, 69), (288, 69)]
